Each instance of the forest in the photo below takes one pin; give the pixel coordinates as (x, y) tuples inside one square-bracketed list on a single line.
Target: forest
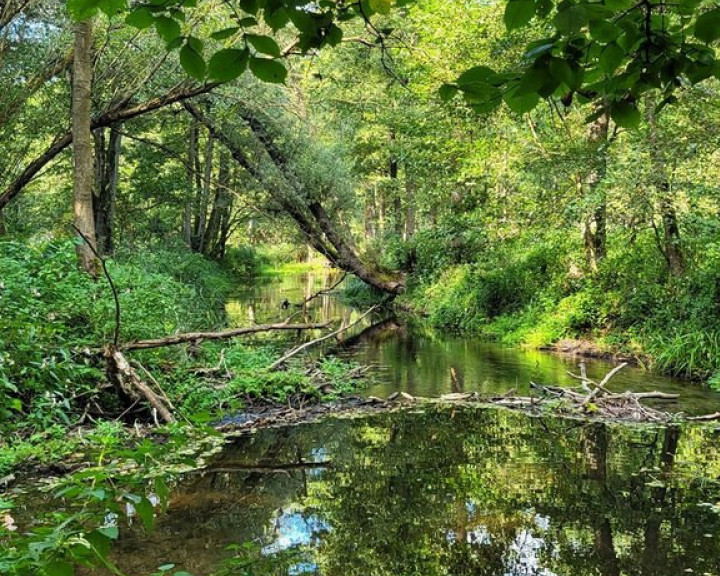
[(359, 287)]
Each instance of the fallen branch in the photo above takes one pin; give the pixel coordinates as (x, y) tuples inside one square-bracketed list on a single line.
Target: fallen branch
[(124, 376), (191, 337), (296, 351)]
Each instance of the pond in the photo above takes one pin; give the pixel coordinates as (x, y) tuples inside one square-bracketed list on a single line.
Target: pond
[(447, 491), (403, 356)]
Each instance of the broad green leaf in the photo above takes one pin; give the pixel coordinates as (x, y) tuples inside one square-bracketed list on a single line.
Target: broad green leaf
[(604, 31), (518, 13), (562, 71), (276, 19), (228, 64), (477, 74), (611, 58), (570, 19), (82, 9), (625, 115), (225, 33), (520, 103), (59, 568), (334, 35), (113, 7), (250, 6), (140, 18), (268, 70), (192, 62), (263, 44), (247, 22), (447, 92), (380, 6), (111, 532), (707, 26), (167, 28)]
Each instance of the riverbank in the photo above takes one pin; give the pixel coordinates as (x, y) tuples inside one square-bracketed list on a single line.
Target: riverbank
[(537, 292)]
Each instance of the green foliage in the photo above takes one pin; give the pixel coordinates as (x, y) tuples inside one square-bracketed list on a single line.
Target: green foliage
[(50, 312)]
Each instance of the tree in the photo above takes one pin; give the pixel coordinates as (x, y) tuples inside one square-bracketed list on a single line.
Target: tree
[(83, 159)]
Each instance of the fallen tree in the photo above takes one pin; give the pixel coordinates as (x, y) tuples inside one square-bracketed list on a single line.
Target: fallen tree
[(309, 214)]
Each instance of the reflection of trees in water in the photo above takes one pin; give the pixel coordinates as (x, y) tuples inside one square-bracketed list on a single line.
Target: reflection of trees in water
[(481, 492)]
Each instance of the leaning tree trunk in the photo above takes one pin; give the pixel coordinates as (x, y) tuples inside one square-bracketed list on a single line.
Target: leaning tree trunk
[(189, 195), (595, 226), (83, 147)]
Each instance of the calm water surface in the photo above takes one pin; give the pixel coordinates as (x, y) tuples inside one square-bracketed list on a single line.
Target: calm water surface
[(423, 363)]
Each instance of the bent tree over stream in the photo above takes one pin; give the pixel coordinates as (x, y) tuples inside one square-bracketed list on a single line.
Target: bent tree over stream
[(359, 287)]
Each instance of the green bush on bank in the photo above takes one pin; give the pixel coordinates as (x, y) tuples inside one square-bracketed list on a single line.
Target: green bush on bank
[(50, 312), (537, 291)]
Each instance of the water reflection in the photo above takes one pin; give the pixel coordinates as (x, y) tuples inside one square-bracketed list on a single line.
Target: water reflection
[(406, 357), (449, 491)]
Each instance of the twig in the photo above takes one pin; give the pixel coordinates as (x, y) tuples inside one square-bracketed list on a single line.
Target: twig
[(116, 331), (296, 351)]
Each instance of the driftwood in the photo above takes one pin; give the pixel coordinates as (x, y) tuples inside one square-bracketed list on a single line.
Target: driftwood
[(129, 383), (295, 351), (190, 337)]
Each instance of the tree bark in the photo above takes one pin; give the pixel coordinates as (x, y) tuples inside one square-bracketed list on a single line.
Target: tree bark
[(83, 163), (204, 195), (107, 163), (189, 196), (595, 232)]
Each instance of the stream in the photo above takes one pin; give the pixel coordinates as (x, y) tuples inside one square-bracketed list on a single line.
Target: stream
[(444, 490)]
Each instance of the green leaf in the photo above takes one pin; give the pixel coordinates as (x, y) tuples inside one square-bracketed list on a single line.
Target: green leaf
[(247, 22), (140, 18), (146, 512), (250, 6), (276, 19), (625, 115), (604, 31), (562, 71), (192, 62), (228, 64), (113, 7), (707, 26), (518, 13), (447, 92), (570, 19), (225, 33), (167, 28), (263, 44), (268, 70), (59, 568), (520, 103), (334, 35), (611, 58), (475, 75), (111, 532), (380, 6), (82, 9)]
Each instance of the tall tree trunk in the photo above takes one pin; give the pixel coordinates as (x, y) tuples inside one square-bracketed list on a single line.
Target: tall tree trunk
[(370, 213), (107, 164), (83, 146), (410, 190), (189, 196), (204, 195), (595, 232), (671, 247), (220, 208)]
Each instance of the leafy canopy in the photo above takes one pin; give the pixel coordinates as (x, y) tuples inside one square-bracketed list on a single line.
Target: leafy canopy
[(606, 51)]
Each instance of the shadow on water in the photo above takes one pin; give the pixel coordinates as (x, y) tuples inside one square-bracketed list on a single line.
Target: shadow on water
[(471, 491), (406, 357)]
